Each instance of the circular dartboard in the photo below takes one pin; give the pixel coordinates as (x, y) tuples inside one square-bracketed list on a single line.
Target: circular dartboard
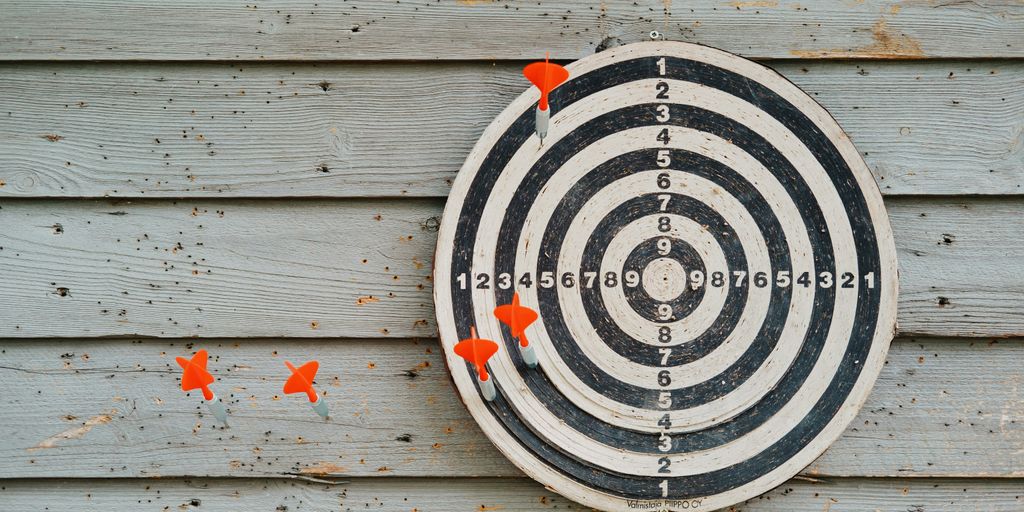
[(713, 268)]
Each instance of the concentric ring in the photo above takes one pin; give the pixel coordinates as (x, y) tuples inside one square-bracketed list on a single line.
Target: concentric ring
[(577, 424)]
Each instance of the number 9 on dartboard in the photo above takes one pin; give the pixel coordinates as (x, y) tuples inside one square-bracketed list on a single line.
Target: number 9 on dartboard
[(686, 271)]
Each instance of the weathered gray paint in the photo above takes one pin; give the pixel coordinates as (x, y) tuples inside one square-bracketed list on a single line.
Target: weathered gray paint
[(262, 130), (926, 127), (483, 494), (238, 268), (479, 29), (111, 409)]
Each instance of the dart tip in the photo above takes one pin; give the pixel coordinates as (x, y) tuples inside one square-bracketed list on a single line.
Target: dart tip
[(320, 407), (217, 408), (488, 390)]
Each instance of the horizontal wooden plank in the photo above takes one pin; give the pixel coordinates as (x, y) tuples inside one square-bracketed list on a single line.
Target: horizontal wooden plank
[(112, 408), (362, 268), (507, 494), (344, 130), (422, 29), (252, 268), (961, 266)]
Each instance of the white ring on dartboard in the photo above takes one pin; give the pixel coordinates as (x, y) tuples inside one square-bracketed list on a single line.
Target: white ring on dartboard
[(638, 231), (724, 408), (683, 329), (662, 279), (543, 457), (684, 375), (484, 244), (518, 167), (633, 209), (680, 376), (670, 270), (725, 236), (633, 417)]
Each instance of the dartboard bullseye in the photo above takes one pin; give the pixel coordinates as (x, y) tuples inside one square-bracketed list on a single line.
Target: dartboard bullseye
[(709, 264)]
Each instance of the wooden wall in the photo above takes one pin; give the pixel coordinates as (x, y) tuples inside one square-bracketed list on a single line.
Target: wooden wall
[(264, 179)]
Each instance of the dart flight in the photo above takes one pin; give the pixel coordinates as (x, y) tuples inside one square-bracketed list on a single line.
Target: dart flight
[(477, 351), (195, 376), (518, 318), (546, 77), (301, 381)]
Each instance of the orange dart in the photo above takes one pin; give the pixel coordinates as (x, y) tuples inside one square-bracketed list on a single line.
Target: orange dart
[(301, 381), (195, 376), (546, 76), (518, 318), (477, 351)]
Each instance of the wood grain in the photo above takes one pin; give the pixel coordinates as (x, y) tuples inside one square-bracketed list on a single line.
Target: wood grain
[(959, 278), (112, 409), (506, 494), (351, 130), (362, 268), (420, 29)]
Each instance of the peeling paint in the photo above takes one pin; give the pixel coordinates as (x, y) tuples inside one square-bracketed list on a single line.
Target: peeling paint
[(886, 45), (755, 3), (323, 468), (74, 433)]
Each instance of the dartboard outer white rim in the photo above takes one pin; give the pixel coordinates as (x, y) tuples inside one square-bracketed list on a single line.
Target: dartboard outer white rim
[(801, 344)]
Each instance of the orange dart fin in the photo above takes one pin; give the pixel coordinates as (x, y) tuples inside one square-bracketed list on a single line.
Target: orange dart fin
[(546, 76), (301, 380), (516, 317), (194, 374), (477, 351)]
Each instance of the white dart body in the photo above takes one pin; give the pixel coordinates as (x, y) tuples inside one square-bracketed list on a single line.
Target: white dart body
[(217, 408), (542, 120), (529, 355), (487, 388), (320, 406)]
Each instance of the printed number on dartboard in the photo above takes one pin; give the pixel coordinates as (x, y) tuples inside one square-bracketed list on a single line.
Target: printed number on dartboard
[(695, 279)]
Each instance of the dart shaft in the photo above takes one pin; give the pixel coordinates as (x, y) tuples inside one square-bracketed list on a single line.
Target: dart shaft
[(542, 118), (218, 410), (529, 355), (487, 389), (320, 406)]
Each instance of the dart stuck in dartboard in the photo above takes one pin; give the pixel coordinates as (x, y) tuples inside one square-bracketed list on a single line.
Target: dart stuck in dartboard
[(518, 317), (545, 76), (477, 351), (710, 274)]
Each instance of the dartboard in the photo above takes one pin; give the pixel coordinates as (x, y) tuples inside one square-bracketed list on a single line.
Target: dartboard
[(713, 268)]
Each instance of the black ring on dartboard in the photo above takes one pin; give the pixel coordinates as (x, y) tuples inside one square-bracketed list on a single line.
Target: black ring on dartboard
[(538, 173), (604, 325), (619, 217), (725, 236), (605, 175), (646, 253), (628, 486), (554, 234)]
